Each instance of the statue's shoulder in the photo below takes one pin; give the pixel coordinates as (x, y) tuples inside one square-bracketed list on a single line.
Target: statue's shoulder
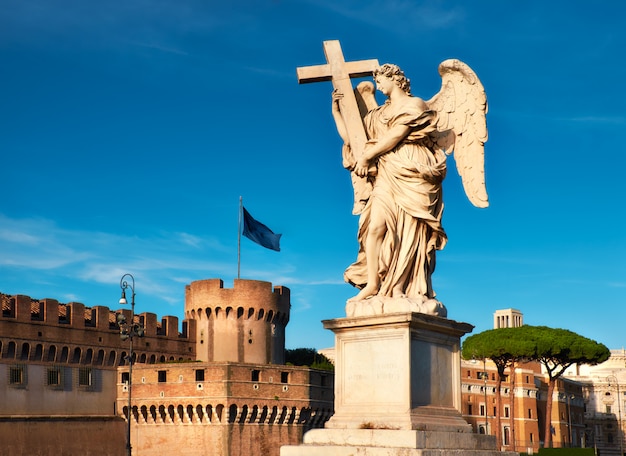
[(417, 102)]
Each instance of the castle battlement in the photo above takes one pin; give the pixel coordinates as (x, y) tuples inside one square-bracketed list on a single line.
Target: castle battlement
[(76, 315), (248, 299), (245, 323), (33, 330)]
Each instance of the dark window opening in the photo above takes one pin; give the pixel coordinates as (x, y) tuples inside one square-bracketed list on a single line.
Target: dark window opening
[(199, 375)]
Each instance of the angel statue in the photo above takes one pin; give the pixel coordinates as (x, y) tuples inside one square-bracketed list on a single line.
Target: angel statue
[(401, 170)]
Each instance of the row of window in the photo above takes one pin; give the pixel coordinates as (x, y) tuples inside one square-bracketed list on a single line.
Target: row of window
[(199, 376), (234, 414), (470, 411), (240, 313), (57, 377), (76, 356), (481, 375)]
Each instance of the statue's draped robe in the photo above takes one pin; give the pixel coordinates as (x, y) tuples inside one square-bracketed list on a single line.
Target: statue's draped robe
[(408, 187)]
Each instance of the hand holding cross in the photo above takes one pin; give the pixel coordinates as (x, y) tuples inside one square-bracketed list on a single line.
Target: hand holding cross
[(339, 72)]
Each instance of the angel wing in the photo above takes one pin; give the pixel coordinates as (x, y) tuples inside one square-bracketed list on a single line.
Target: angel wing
[(461, 107), (365, 97)]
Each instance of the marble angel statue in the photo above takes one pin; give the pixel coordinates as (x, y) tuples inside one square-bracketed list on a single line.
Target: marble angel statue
[(401, 171)]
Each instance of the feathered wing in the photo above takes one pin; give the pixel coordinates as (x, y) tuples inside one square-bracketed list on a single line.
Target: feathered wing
[(365, 97), (461, 107)]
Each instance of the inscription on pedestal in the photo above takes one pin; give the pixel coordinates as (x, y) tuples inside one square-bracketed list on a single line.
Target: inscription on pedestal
[(373, 372)]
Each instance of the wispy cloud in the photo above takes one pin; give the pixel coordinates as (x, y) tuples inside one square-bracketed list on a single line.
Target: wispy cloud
[(102, 258)]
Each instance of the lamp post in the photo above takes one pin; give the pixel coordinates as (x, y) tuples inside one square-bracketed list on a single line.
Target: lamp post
[(609, 379), (129, 330)]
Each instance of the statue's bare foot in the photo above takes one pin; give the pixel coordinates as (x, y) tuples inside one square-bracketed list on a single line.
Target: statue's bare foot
[(366, 292)]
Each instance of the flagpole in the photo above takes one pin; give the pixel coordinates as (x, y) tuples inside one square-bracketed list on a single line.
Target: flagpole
[(239, 240)]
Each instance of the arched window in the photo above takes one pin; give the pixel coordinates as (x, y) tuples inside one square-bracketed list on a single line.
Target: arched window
[(25, 351), (244, 414), (232, 413), (273, 415), (38, 354), (11, 348), (263, 415), (153, 413), (100, 358), (76, 356), (254, 414), (200, 413), (190, 412), (65, 353), (112, 356), (52, 353)]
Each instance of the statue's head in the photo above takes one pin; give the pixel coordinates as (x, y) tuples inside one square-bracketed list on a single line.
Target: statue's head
[(393, 72)]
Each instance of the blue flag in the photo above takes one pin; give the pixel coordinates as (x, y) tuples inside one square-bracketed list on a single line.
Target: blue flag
[(259, 233)]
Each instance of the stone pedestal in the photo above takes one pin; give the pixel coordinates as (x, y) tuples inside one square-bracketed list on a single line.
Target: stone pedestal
[(397, 390)]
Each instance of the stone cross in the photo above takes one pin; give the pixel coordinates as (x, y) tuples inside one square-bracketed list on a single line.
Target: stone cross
[(339, 72)]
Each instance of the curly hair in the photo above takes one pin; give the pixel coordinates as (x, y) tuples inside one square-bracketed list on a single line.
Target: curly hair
[(394, 73)]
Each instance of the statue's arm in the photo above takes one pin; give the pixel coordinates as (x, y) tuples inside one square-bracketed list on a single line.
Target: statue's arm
[(341, 126), (382, 145)]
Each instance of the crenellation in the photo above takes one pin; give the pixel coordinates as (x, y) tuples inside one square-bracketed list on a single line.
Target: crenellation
[(50, 311), (149, 322), (254, 398), (170, 324), (22, 308), (76, 314), (101, 315)]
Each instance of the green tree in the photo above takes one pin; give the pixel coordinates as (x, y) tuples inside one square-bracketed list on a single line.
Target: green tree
[(308, 357), (504, 347), (557, 349)]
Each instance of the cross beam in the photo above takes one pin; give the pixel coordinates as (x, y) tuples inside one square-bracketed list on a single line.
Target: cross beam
[(339, 72)]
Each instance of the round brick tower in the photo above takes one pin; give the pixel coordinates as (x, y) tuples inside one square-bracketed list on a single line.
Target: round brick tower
[(244, 324)]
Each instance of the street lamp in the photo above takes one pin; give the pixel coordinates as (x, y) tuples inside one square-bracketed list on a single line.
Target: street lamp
[(609, 379), (129, 330)]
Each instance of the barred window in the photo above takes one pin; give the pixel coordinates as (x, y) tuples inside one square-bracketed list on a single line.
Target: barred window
[(54, 377), (17, 375), (85, 377)]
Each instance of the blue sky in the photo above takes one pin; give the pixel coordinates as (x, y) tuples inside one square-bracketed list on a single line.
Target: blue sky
[(129, 130)]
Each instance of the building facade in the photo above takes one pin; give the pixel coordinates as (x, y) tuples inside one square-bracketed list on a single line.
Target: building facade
[(217, 382)]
